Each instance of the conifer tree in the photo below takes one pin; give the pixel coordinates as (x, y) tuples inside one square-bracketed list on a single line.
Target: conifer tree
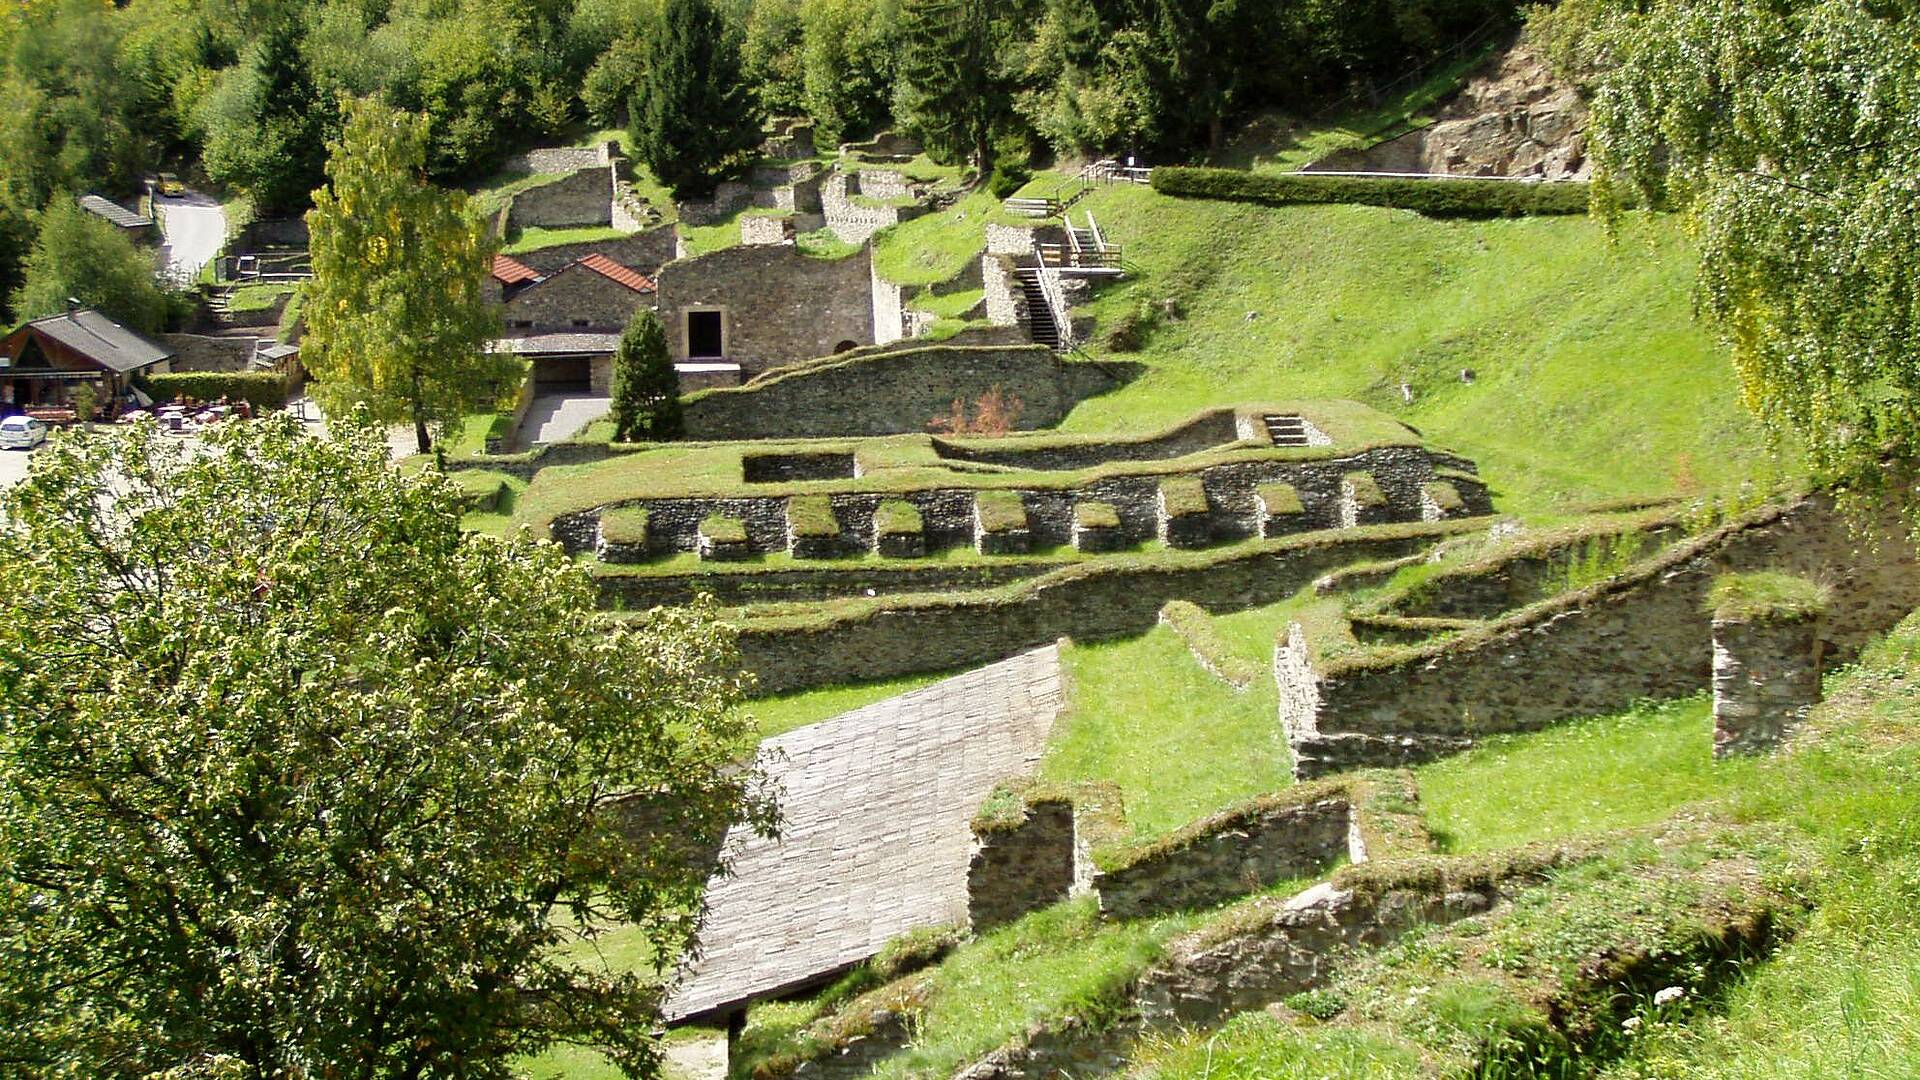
[(694, 116), (646, 391), (953, 88)]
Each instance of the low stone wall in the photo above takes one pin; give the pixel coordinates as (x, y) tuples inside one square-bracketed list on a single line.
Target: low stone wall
[(895, 392), (1766, 675), (561, 159), (855, 222), (583, 198), (638, 592), (1229, 856), (1211, 430), (1089, 602), (199, 352), (1048, 514), (271, 233), (645, 251), (763, 229), (1642, 634)]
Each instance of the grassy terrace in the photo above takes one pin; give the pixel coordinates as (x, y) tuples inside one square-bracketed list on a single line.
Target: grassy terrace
[(899, 463), (1591, 378)]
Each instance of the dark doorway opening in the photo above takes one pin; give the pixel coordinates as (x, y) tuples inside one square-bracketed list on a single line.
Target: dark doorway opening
[(845, 346), (705, 339), (564, 373)]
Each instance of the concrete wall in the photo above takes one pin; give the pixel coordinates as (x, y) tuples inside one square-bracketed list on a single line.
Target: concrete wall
[(895, 392), (778, 306), (574, 298), (1642, 635), (584, 198)]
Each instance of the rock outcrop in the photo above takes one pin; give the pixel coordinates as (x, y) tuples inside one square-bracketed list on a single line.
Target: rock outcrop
[(1514, 117)]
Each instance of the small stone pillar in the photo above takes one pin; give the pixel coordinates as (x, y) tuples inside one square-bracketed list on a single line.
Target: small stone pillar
[(1766, 659), (1023, 860)]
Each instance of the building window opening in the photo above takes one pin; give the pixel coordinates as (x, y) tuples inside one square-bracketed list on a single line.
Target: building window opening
[(704, 336)]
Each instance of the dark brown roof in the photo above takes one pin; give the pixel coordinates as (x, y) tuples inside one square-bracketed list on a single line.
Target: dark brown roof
[(511, 271), (613, 271), (88, 333)]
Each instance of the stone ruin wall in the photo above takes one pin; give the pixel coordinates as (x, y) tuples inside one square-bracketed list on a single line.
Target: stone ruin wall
[(1647, 637), (1095, 602), (579, 199), (781, 306), (892, 393), (644, 251)]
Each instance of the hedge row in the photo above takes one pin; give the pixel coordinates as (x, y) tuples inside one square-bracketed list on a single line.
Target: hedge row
[(262, 389), (1461, 197)]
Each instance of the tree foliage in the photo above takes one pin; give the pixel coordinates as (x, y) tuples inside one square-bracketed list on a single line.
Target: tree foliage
[(954, 88), (299, 780), (264, 127), (78, 255), (646, 390), (1788, 132), (695, 117), (395, 316)]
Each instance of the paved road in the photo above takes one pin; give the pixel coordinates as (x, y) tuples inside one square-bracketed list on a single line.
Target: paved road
[(875, 837), (195, 228), (554, 417), (13, 467)]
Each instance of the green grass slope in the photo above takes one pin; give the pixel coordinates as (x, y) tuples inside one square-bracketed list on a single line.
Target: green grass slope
[(1592, 378)]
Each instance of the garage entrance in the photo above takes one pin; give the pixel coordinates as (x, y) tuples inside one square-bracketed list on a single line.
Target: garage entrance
[(557, 373)]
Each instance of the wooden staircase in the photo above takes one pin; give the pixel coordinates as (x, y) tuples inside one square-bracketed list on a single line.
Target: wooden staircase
[(1041, 328)]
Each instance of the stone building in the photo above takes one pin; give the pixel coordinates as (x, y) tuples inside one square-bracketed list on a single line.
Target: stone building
[(765, 306), (567, 323)]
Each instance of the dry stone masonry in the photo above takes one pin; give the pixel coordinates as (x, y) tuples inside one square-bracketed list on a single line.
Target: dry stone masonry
[(1766, 670)]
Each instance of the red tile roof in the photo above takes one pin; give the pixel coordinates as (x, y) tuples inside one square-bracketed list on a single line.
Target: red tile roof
[(510, 271), (613, 271)]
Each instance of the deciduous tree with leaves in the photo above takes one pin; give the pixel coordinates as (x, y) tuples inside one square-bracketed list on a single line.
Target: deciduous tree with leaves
[(1788, 135), (396, 319), (297, 779), (646, 391), (79, 256)]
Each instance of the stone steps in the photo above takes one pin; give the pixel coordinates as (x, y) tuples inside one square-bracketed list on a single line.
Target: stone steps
[(1286, 429), (1040, 325)]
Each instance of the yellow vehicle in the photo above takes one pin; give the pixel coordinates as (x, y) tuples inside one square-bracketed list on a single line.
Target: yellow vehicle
[(170, 184)]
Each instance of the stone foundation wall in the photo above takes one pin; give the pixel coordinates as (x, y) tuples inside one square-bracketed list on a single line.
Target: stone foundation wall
[(1214, 429), (1766, 675), (854, 222), (758, 229), (561, 159), (1641, 635), (1003, 300), (730, 197), (889, 311), (1088, 602), (583, 198), (894, 393)]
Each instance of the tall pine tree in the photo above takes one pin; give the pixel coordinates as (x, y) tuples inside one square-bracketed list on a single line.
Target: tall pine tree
[(265, 130), (954, 89), (694, 116), (646, 391)]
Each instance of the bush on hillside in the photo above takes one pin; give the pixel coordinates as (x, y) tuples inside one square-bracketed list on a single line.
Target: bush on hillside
[(1462, 197)]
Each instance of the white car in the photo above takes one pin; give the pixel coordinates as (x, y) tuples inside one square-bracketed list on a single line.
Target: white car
[(21, 433)]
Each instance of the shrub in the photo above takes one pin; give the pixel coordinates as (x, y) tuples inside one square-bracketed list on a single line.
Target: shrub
[(994, 413), (897, 517), (1183, 496), (811, 515), (1436, 198), (624, 525), (262, 389), (1000, 511), (1766, 597), (1007, 178)]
